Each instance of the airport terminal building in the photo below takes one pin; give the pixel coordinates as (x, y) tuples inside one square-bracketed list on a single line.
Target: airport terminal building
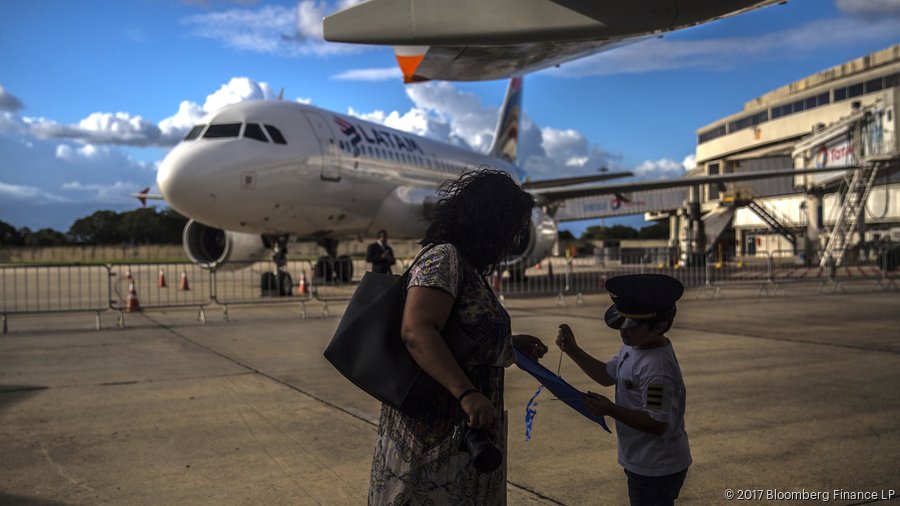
[(844, 116)]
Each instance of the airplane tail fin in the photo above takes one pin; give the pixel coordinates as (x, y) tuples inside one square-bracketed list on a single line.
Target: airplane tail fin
[(506, 136)]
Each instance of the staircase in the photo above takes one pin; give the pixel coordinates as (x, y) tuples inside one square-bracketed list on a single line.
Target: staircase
[(852, 196), (776, 220)]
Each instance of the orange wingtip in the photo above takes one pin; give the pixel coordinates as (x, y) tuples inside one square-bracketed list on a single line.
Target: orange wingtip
[(408, 65)]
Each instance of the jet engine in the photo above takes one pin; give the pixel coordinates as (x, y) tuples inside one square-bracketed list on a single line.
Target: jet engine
[(536, 244), (222, 249)]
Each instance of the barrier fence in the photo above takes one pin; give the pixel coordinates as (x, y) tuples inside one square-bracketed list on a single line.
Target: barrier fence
[(32, 289)]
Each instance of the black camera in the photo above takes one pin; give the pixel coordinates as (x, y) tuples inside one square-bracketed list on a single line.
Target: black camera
[(486, 457)]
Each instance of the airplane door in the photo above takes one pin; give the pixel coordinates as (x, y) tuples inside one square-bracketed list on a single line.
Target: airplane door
[(331, 155)]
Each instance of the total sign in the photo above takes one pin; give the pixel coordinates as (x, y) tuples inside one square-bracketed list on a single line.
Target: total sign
[(836, 154)]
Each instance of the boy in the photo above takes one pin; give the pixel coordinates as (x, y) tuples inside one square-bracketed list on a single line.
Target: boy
[(650, 392)]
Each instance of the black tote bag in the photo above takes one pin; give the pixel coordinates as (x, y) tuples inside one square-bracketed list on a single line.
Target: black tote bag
[(367, 349)]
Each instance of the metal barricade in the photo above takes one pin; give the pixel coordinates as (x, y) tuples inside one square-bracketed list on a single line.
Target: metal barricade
[(31, 289), (159, 285), (263, 283)]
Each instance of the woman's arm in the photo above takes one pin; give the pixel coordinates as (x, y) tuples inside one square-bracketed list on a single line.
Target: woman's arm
[(424, 316)]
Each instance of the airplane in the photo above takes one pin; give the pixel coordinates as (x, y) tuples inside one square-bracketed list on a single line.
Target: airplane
[(474, 40), (252, 176)]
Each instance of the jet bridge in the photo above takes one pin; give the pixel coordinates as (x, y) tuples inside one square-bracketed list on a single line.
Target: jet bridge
[(866, 143)]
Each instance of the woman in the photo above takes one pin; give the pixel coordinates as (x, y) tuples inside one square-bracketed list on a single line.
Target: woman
[(419, 458)]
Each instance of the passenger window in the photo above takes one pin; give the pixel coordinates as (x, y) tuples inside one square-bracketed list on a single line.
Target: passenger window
[(222, 130), (254, 131), (275, 134), (194, 133)]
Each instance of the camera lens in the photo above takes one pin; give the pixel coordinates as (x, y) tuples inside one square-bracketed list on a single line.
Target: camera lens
[(486, 457)]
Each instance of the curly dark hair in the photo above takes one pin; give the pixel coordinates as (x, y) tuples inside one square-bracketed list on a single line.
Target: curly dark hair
[(481, 213)]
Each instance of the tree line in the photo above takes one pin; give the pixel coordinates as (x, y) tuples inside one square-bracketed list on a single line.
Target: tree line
[(659, 230), (139, 226)]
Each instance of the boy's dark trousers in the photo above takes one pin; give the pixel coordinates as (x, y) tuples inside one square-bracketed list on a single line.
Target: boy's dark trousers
[(654, 490)]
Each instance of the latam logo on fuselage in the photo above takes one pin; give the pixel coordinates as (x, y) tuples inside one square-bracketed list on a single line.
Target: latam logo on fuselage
[(373, 137)]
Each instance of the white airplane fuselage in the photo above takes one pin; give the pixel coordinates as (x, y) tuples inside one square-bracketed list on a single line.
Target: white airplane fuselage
[(335, 175), (316, 175)]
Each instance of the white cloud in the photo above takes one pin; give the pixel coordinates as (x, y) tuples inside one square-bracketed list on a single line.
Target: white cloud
[(271, 29), (443, 112), (173, 128), (237, 90), (377, 74), (664, 168), (63, 171), (689, 162), (100, 128), (870, 8), (106, 194), (27, 193), (122, 128)]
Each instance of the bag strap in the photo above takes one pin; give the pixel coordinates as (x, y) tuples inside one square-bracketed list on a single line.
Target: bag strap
[(459, 273)]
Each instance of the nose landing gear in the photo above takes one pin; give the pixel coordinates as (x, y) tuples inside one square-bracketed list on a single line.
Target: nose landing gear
[(278, 283)]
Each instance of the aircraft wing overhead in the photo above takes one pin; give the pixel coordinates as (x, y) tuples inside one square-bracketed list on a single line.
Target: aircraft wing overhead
[(555, 195), (474, 40)]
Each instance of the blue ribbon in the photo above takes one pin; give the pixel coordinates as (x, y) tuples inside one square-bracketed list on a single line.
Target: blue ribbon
[(530, 411)]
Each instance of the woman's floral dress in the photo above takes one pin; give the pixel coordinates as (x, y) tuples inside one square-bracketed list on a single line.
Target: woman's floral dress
[(418, 459)]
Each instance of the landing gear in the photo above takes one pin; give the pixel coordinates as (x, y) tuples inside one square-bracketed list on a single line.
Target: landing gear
[(333, 267), (278, 283), (330, 268)]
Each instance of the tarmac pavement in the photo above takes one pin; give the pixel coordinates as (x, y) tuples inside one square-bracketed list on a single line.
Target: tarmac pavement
[(787, 395)]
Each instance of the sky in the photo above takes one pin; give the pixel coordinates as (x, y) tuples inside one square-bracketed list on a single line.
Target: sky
[(94, 93)]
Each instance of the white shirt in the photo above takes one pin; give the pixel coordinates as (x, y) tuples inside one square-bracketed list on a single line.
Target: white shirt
[(649, 380)]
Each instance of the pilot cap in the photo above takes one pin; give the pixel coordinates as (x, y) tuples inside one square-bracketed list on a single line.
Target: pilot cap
[(639, 297)]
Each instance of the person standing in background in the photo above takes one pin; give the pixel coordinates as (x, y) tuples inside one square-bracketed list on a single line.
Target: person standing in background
[(380, 254)]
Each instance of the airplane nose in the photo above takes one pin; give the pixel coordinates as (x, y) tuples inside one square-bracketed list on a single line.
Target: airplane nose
[(181, 182)]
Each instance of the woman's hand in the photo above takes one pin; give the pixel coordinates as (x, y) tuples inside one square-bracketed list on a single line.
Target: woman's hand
[(529, 345), (480, 411), (565, 339)]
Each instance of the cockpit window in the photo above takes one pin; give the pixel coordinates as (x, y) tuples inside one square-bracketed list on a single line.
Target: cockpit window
[(222, 130), (194, 133), (254, 131), (275, 134)]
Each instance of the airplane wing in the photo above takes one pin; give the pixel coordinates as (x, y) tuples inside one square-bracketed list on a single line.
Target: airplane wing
[(545, 197), (474, 40)]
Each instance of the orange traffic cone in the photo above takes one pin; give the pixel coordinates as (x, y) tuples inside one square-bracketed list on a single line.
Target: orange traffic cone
[(183, 284), (132, 305), (301, 288), (162, 279)]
